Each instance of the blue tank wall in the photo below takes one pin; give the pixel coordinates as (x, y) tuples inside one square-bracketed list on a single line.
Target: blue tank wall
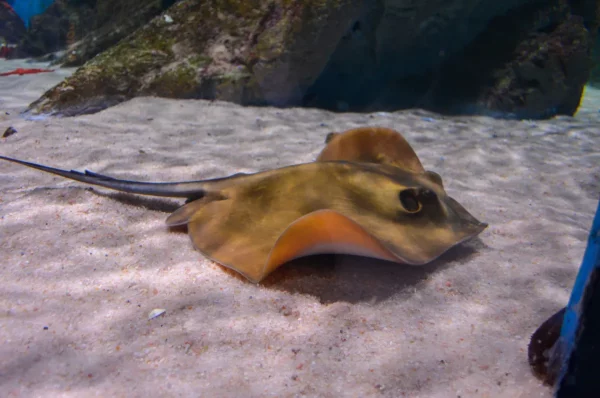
[(28, 8)]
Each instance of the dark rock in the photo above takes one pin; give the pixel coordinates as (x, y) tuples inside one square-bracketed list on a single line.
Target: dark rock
[(531, 63), (86, 27), (9, 131), (54, 29), (50, 57), (516, 58), (12, 28), (548, 76), (392, 53)]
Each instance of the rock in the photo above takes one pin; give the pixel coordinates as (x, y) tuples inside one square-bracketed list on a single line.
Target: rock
[(394, 50), (114, 20), (547, 77), (515, 58), (246, 51), (510, 65), (55, 28), (531, 63), (86, 27), (9, 131), (12, 28)]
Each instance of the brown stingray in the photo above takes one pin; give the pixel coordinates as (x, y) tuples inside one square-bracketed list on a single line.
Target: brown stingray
[(254, 223), (371, 145)]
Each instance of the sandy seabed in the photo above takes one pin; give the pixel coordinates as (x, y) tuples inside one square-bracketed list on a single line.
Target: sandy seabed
[(81, 268)]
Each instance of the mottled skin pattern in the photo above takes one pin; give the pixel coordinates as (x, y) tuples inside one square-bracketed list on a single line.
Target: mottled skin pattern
[(254, 223)]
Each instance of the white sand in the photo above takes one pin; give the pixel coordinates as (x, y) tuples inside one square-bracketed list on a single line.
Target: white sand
[(90, 265)]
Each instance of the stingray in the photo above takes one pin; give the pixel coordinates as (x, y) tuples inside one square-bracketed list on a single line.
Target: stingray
[(254, 223)]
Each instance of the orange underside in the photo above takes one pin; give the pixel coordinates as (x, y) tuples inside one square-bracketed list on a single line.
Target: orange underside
[(325, 232)]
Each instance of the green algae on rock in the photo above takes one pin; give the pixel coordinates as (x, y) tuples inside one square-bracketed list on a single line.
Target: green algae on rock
[(245, 51)]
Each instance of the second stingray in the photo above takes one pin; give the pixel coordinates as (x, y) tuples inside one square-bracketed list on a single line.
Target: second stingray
[(254, 223)]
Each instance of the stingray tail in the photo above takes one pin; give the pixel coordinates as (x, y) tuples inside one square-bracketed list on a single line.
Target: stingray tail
[(185, 189)]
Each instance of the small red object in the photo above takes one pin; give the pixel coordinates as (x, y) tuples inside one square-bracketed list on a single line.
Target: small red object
[(5, 51), (21, 71)]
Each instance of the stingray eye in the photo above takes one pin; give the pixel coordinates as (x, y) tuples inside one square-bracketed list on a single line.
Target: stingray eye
[(409, 200)]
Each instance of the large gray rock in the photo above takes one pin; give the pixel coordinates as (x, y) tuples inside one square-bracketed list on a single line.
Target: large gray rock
[(246, 51), (453, 56)]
